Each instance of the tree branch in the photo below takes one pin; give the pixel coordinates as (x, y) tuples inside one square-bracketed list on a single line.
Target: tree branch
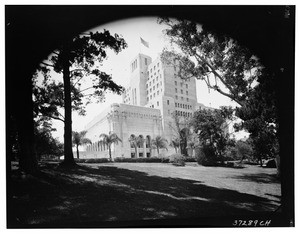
[(46, 64), (221, 79), (53, 117), (85, 89)]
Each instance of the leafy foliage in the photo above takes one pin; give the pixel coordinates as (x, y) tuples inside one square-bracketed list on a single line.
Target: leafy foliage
[(142, 160), (136, 142), (232, 70), (206, 155), (76, 59), (212, 129), (78, 138), (260, 115), (45, 144), (177, 160), (219, 60), (108, 140), (175, 143), (159, 143)]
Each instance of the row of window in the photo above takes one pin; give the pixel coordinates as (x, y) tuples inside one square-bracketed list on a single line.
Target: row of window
[(181, 91), (154, 94), (134, 65), (181, 84), (181, 98), (184, 113), (153, 87), (184, 106), (154, 68)]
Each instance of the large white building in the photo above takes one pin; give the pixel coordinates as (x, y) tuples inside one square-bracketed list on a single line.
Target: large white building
[(152, 96)]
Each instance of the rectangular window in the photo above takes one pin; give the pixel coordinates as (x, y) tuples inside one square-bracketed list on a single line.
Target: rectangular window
[(150, 97), (153, 87), (157, 92), (168, 102), (154, 67), (187, 93), (150, 90), (187, 86), (181, 98), (154, 95), (145, 61), (157, 85), (157, 103), (176, 97), (175, 90), (175, 82), (187, 99), (175, 104), (181, 91)]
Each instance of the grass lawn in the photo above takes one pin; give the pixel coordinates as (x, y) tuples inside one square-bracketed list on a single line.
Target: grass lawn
[(97, 194)]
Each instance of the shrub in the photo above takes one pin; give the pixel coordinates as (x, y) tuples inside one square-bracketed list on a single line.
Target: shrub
[(165, 159), (205, 156), (92, 160), (177, 160), (132, 160), (190, 159)]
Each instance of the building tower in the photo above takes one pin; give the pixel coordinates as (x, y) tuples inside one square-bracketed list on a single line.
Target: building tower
[(135, 94), (156, 85)]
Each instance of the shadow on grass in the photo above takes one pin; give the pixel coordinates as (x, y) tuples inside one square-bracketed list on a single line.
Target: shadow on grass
[(259, 178), (85, 195)]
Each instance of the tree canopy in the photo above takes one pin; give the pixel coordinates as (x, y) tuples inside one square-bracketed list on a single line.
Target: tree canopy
[(233, 71), (76, 59)]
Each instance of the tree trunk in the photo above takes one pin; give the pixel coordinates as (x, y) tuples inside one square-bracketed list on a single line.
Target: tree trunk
[(175, 150), (157, 151), (109, 152), (25, 126), (77, 151), (69, 158), (136, 152)]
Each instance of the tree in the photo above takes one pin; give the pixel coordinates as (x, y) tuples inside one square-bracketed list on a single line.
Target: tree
[(76, 59), (182, 131), (175, 142), (108, 140), (211, 127), (159, 143), (220, 61), (136, 142), (231, 70), (45, 144), (78, 138), (260, 115), (244, 150)]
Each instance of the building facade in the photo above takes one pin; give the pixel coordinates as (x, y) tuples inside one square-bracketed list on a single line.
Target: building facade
[(154, 93)]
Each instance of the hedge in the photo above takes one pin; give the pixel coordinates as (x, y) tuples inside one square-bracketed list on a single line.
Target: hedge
[(147, 160)]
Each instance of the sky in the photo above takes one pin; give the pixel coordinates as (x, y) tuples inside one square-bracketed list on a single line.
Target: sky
[(132, 30)]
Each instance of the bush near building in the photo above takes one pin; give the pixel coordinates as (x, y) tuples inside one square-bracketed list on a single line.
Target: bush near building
[(142, 160), (205, 156), (177, 160)]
